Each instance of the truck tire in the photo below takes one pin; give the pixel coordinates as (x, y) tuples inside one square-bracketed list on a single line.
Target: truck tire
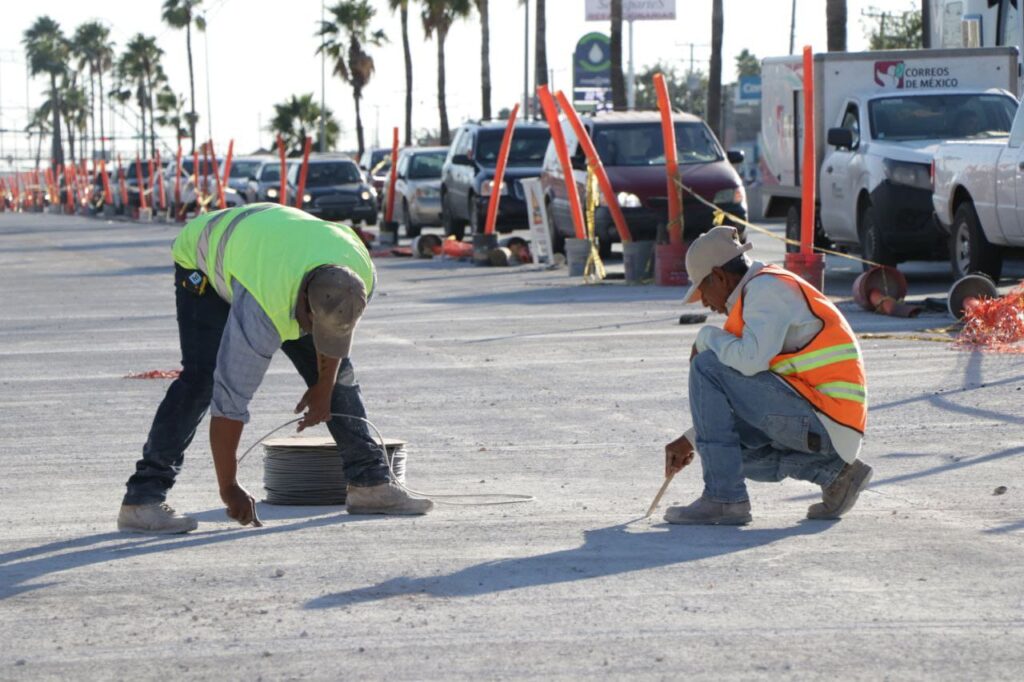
[(969, 250), (872, 247), (410, 229)]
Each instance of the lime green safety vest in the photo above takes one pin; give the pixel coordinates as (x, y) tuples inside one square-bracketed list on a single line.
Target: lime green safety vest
[(269, 249)]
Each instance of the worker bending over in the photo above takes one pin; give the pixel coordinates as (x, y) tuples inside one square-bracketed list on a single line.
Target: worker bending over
[(247, 281), (779, 392)]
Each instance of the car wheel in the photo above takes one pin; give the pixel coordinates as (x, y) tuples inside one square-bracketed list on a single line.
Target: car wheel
[(452, 227), (872, 246), (410, 229), (969, 250)]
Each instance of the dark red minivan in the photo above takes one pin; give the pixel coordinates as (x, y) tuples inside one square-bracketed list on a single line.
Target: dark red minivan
[(631, 149)]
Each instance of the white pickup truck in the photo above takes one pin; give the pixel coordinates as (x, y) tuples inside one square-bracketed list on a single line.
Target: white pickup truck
[(978, 196)]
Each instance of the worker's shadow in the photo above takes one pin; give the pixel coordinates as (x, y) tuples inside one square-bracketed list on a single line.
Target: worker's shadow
[(604, 552), (20, 569)]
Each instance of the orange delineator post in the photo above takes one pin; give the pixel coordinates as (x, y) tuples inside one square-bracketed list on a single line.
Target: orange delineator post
[(69, 181), (221, 202), (206, 169), (595, 162), (195, 179), (142, 184), (152, 184), (668, 135), (108, 196), (227, 160), (499, 171), (547, 103), (806, 263), (123, 184), (284, 167), (301, 191), (160, 182), (389, 211), (177, 180)]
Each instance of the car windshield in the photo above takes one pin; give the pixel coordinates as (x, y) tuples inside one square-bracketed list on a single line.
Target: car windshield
[(642, 145), (941, 117), (271, 172), (527, 149), (204, 166), (333, 173), (243, 169), (380, 161), (426, 166)]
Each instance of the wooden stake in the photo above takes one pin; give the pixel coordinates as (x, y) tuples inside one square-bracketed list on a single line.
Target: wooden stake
[(657, 498)]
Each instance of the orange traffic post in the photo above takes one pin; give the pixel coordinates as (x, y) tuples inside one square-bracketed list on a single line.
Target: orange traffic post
[(227, 160), (151, 182), (301, 191), (547, 104), (280, 152), (206, 170), (668, 135), (160, 183), (177, 180), (806, 263), (141, 181), (594, 159), (123, 185), (108, 195), (499, 171), (195, 181), (69, 181), (389, 211), (221, 202)]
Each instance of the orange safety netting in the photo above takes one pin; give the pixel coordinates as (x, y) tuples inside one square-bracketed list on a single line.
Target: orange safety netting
[(154, 374), (994, 324)]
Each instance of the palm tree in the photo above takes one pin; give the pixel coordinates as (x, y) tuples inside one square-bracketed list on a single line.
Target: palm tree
[(170, 106), (91, 45), (296, 117), (540, 50), (835, 22), (438, 17), (40, 122), (715, 70), (139, 66), (182, 14), (351, 62), (403, 9), (46, 49), (485, 58), (618, 80)]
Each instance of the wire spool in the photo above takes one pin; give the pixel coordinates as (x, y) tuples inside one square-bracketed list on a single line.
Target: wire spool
[(308, 470)]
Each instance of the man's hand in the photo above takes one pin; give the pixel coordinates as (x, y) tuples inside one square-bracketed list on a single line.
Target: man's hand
[(678, 454), (241, 506), (317, 403)]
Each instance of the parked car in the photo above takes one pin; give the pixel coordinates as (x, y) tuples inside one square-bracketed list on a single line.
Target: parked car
[(978, 193), (632, 152), (467, 177), (265, 183), (418, 188), (376, 167), (243, 168), (335, 190), (189, 182)]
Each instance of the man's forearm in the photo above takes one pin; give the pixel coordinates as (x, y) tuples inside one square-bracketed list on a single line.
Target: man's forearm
[(327, 369), (224, 436)]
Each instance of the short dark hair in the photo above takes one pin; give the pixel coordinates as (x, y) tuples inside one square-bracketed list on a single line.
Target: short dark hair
[(737, 266)]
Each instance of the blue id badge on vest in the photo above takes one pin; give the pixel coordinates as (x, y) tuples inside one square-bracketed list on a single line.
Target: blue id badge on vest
[(195, 282)]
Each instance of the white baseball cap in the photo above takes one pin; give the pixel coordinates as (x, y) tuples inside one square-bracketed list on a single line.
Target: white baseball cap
[(712, 249)]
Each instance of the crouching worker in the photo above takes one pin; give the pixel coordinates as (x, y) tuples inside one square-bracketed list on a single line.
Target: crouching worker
[(247, 281), (779, 392)]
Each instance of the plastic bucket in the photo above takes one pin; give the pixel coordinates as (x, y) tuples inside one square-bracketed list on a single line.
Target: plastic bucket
[(483, 244), (670, 265), (638, 259), (576, 252)]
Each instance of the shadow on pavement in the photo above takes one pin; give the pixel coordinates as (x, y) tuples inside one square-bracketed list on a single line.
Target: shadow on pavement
[(605, 552), (20, 568)]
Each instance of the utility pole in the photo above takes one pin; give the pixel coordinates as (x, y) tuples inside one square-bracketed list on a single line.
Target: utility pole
[(209, 107), (526, 62), (323, 84), (631, 74)]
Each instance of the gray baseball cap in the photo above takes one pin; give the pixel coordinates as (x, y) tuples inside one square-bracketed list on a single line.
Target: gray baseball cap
[(337, 299), (714, 248)]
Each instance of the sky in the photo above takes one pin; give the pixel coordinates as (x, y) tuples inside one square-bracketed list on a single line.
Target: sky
[(263, 51)]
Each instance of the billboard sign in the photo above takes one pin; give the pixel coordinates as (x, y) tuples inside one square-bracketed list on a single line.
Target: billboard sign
[(632, 10), (748, 90), (592, 62)]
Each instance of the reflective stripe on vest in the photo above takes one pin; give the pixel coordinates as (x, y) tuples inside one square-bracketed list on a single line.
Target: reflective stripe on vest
[(216, 274), (828, 372)]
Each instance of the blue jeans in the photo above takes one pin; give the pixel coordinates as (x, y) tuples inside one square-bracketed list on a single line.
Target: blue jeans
[(201, 320), (754, 427)]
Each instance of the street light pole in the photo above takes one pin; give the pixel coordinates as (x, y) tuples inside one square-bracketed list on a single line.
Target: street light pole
[(526, 62), (209, 107), (323, 84), (631, 76)]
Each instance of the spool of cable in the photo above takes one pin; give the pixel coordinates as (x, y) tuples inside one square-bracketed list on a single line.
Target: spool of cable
[(308, 470)]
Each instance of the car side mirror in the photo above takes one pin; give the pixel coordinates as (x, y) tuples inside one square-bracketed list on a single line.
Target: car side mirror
[(841, 138), (735, 156), (462, 160)]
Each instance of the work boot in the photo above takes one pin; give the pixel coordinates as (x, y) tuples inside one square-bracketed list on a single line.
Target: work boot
[(386, 498), (705, 512), (838, 497), (158, 518)]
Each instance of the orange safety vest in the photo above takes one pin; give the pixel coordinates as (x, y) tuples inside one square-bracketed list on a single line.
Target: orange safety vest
[(828, 372)]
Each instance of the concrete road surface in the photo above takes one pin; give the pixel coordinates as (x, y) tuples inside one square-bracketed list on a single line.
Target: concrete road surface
[(514, 380)]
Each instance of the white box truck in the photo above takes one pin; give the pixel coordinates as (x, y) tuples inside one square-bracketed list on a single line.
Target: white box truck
[(878, 119)]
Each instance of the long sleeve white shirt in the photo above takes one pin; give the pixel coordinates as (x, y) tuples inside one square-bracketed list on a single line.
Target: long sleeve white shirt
[(776, 319)]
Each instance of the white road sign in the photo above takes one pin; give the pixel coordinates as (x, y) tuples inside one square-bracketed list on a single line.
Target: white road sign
[(632, 10)]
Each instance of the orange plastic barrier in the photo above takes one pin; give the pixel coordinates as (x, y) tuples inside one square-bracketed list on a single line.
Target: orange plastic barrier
[(151, 185), (668, 136), (810, 175), (108, 195), (280, 152), (499, 172), (142, 184), (302, 173), (595, 162), (69, 181), (221, 201), (389, 212), (547, 103)]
